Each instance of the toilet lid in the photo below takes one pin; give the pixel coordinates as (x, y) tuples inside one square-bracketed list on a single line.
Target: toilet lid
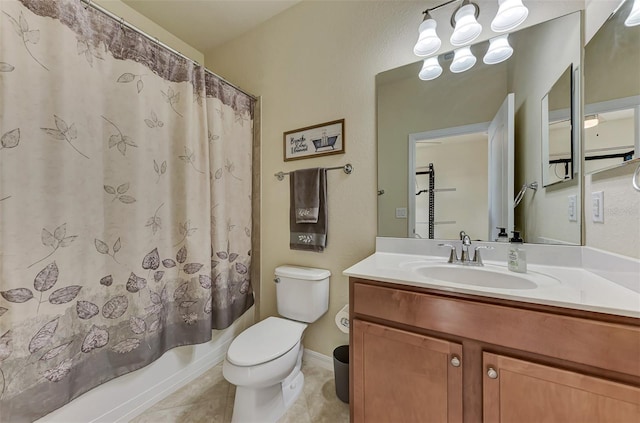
[(265, 341)]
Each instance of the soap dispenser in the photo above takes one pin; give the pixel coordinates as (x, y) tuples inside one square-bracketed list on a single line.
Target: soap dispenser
[(502, 235), (517, 258)]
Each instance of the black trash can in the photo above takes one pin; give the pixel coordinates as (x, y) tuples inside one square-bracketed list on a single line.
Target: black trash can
[(341, 372)]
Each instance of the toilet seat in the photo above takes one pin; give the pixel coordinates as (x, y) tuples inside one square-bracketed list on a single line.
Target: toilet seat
[(265, 341)]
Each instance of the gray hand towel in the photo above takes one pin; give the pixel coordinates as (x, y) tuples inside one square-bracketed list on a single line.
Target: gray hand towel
[(309, 236), (306, 194)]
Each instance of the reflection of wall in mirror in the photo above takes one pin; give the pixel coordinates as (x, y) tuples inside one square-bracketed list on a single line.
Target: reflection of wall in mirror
[(461, 165), (612, 135), (539, 60), (559, 148), (612, 61), (409, 105), (611, 69)]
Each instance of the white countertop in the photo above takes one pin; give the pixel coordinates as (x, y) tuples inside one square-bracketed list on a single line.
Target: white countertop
[(571, 287)]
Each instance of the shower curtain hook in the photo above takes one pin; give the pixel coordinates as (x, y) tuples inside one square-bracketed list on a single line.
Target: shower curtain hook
[(87, 4), (122, 23)]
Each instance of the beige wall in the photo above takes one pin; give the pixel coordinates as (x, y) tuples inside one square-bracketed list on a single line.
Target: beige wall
[(120, 9), (314, 63)]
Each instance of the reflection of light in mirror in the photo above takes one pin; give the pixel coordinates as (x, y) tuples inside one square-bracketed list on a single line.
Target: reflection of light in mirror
[(463, 60), (428, 41), (634, 17), (431, 69), (591, 121), (467, 27), (499, 50), (511, 13)]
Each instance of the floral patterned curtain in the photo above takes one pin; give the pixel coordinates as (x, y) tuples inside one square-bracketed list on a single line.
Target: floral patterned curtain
[(125, 203)]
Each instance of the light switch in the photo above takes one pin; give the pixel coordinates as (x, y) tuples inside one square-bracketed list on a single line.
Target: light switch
[(401, 212), (573, 208), (597, 202)]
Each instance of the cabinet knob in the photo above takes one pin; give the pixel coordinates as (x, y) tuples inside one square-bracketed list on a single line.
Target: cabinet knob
[(492, 373), (455, 361)]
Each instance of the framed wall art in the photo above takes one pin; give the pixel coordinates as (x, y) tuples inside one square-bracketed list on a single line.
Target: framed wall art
[(313, 141)]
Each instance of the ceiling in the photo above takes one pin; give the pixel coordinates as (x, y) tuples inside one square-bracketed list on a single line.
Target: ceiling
[(206, 24)]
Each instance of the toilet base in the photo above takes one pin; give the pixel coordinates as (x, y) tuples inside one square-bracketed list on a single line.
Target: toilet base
[(267, 405)]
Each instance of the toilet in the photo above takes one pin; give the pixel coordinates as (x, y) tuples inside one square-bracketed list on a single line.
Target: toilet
[(264, 360)]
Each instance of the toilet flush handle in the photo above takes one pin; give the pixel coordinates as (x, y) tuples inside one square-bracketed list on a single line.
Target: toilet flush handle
[(276, 280)]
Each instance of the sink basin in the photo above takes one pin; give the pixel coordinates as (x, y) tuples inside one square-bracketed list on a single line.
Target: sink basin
[(487, 276)]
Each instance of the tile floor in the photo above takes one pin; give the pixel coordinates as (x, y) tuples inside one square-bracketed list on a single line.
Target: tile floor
[(210, 399)]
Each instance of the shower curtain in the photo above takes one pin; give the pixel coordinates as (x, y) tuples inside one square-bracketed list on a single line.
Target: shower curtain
[(125, 203)]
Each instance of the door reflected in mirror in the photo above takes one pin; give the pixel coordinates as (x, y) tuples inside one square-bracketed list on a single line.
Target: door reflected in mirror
[(450, 170)]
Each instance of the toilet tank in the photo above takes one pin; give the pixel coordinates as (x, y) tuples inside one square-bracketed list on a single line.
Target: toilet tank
[(302, 293)]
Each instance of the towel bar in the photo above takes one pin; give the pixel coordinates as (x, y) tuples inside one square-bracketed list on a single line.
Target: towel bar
[(347, 169)]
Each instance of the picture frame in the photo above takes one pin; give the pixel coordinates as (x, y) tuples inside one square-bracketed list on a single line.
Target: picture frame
[(314, 141)]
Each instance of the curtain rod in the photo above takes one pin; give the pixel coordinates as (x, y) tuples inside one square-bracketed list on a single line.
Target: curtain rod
[(157, 41), (347, 169)]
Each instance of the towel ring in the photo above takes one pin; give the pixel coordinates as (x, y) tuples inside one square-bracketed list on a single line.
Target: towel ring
[(634, 179)]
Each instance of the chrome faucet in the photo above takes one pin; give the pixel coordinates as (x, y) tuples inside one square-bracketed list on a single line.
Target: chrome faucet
[(465, 257), (466, 243)]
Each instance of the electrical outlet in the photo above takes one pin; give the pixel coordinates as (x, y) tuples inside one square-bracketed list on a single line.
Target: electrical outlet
[(573, 208), (597, 203), (401, 212)]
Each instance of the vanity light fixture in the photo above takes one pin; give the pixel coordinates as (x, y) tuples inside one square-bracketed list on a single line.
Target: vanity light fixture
[(463, 60), (466, 29), (431, 69), (428, 40), (499, 50), (465, 25), (591, 121), (511, 13), (634, 17)]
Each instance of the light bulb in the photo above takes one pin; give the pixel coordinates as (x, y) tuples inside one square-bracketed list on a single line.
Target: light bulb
[(431, 69), (467, 27), (511, 13), (499, 50), (591, 121), (428, 40), (463, 60)]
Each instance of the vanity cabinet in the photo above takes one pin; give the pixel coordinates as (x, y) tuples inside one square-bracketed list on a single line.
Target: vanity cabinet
[(425, 355), (522, 391), (405, 376)]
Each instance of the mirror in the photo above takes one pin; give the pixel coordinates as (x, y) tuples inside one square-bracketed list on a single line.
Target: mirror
[(612, 93), (557, 131), (410, 110)]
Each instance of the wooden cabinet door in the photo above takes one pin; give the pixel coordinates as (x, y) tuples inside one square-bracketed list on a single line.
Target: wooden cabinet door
[(521, 391), (404, 377)]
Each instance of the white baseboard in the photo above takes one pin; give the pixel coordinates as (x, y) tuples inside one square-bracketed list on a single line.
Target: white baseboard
[(317, 359)]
